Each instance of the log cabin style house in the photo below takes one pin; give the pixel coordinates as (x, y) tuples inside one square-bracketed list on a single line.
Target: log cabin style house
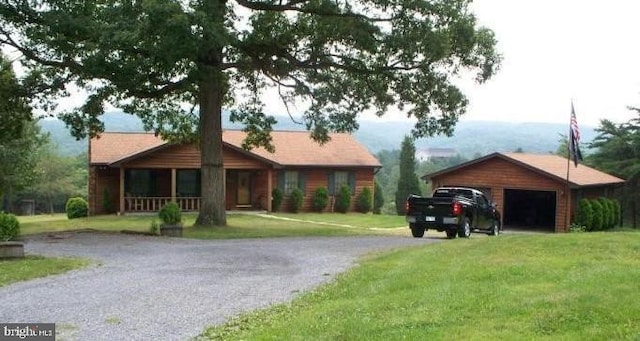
[(139, 172)]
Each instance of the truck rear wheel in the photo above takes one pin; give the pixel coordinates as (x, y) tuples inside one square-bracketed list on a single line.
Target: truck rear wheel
[(451, 234), (465, 229), (417, 230), (495, 229)]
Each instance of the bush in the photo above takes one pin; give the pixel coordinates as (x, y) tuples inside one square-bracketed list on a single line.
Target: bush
[(584, 214), (296, 200), (276, 199), (598, 215), (607, 213), (76, 208), (577, 228), (365, 200), (170, 214), (616, 212), (378, 198), (343, 200), (320, 199), (9, 227)]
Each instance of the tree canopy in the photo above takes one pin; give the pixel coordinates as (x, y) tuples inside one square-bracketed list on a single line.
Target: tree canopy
[(176, 63), (617, 151), (19, 136), (15, 111)]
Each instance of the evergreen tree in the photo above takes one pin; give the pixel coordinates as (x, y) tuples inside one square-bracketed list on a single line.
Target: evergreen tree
[(617, 152), (408, 182)]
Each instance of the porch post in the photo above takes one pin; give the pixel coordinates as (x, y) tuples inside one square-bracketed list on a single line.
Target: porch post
[(173, 184), (122, 190), (269, 188)]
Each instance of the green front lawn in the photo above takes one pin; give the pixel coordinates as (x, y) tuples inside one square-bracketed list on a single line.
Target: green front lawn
[(520, 287), (109, 223), (35, 266), (350, 219), (238, 225)]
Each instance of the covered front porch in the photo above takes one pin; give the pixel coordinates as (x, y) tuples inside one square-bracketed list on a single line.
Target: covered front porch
[(147, 190)]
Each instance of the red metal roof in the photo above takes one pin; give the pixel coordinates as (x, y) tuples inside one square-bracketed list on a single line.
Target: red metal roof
[(293, 148)]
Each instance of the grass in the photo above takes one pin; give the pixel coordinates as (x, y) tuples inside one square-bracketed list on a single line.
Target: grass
[(30, 267), (351, 219), (108, 223), (238, 225), (580, 286)]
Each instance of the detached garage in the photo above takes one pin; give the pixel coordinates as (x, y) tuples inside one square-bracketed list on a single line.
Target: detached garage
[(531, 190)]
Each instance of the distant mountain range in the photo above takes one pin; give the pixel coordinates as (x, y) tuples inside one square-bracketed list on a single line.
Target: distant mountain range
[(470, 137)]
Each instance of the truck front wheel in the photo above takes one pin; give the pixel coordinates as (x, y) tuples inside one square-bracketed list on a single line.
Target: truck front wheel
[(417, 230)]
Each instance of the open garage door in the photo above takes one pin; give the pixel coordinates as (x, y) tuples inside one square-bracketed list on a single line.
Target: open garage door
[(529, 209)]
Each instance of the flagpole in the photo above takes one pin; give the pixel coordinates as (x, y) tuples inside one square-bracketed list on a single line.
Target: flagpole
[(568, 190)]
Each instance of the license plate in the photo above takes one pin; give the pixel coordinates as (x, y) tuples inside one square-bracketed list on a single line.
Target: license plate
[(430, 218)]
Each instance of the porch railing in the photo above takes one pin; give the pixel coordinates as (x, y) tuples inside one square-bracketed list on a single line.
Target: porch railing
[(153, 204)]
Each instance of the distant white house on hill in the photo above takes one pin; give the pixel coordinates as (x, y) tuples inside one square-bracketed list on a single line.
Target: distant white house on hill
[(428, 154)]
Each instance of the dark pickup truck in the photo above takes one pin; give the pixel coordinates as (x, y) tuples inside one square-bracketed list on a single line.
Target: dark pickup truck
[(456, 210)]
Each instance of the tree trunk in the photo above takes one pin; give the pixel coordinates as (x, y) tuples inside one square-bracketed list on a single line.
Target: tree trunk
[(50, 200), (211, 89), (212, 209), (9, 197)]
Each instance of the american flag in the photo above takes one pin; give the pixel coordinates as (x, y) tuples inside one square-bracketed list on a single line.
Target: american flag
[(574, 138)]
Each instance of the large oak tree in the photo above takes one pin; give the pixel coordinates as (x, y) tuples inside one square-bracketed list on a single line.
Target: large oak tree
[(337, 58)]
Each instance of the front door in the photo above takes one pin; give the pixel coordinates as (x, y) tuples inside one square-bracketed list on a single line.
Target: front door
[(243, 197)]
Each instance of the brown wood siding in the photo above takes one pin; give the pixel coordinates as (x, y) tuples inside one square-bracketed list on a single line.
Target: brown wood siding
[(315, 178), (99, 180), (259, 192), (188, 156), (499, 175)]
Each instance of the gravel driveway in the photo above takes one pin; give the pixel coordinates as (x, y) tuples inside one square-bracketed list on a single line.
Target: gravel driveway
[(149, 288)]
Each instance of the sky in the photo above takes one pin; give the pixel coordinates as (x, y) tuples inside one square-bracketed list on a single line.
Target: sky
[(555, 51)]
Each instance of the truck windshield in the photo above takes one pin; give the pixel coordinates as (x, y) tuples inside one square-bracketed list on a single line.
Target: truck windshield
[(451, 192)]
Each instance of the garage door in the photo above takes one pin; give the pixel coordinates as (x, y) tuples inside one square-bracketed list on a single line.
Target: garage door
[(529, 209)]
